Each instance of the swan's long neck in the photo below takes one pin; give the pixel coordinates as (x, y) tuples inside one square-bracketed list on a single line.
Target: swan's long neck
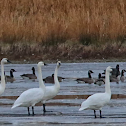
[(57, 85), (107, 83), (2, 76), (41, 83)]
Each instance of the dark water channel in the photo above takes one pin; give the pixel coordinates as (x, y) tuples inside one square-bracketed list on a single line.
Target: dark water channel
[(66, 104)]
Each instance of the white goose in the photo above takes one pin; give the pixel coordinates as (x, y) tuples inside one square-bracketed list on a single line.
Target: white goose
[(32, 96), (2, 85), (98, 100), (52, 91)]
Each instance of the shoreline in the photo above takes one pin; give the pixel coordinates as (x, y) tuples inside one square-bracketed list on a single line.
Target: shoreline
[(32, 53), (68, 61)]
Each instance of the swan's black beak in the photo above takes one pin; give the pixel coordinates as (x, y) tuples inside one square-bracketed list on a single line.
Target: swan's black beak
[(9, 61), (92, 72), (59, 64), (45, 64)]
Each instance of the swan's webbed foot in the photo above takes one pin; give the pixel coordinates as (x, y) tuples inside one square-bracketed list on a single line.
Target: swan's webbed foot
[(44, 110)]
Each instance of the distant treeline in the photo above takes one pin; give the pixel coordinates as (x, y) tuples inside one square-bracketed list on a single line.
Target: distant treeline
[(51, 22)]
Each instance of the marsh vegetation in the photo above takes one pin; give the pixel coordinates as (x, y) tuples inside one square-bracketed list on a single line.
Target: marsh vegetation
[(69, 30)]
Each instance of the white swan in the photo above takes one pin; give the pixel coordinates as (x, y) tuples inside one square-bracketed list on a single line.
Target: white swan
[(98, 100), (32, 96), (52, 91), (2, 85)]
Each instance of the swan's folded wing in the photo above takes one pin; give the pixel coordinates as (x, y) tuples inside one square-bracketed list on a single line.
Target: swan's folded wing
[(95, 101), (31, 97)]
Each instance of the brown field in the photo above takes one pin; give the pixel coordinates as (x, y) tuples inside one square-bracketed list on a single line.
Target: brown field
[(62, 29)]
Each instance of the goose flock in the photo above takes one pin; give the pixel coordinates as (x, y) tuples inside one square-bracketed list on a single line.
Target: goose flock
[(32, 96)]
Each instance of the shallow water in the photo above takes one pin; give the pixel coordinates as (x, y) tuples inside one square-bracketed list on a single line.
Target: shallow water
[(66, 104)]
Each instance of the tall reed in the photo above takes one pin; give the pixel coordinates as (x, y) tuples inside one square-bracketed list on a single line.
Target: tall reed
[(56, 21)]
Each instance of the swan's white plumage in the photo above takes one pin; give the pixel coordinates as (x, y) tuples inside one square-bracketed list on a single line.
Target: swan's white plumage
[(52, 91), (2, 85), (29, 98), (32, 96), (95, 101), (98, 100)]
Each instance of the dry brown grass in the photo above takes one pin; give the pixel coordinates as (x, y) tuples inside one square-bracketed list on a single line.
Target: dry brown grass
[(29, 26), (55, 21)]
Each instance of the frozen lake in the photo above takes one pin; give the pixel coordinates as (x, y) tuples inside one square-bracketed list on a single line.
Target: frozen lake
[(66, 104)]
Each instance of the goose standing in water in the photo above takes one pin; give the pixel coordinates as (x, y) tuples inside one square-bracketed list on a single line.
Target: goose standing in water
[(29, 76), (31, 96), (115, 75), (122, 78), (86, 80), (100, 80), (115, 71), (98, 100), (2, 85), (10, 78), (114, 79), (52, 91), (50, 79)]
